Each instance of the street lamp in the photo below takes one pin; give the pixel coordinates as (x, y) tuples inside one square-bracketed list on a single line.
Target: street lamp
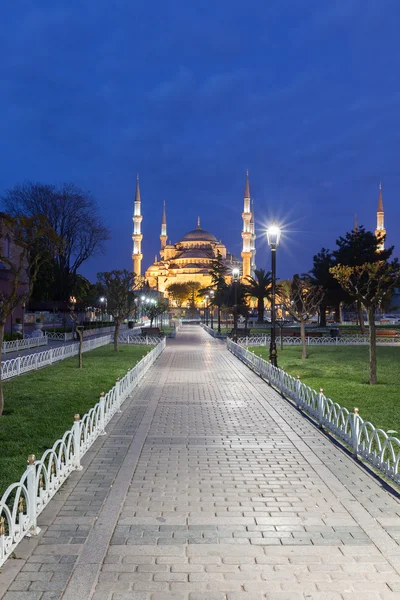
[(235, 276), (273, 237), (103, 300), (206, 309), (212, 293)]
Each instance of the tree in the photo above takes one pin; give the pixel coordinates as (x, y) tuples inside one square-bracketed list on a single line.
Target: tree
[(259, 287), (218, 273), (155, 309), (118, 287), (179, 292), (357, 248), (194, 287), (333, 292), (301, 299), (370, 284), (73, 215), (21, 239)]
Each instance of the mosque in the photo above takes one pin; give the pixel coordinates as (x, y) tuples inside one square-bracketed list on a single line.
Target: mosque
[(190, 258)]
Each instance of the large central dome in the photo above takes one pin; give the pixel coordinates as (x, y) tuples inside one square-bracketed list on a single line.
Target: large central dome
[(198, 235)]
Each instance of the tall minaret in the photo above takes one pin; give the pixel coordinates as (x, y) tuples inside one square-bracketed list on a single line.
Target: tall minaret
[(355, 226), (137, 236), (253, 240), (163, 236), (380, 230), (246, 233)]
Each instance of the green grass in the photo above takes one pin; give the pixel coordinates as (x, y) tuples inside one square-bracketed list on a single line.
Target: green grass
[(343, 373), (39, 406)]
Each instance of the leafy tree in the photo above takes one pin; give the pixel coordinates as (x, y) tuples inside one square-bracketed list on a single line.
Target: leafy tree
[(370, 284), (301, 299), (240, 294), (73, 215), (118, 287), (23, 242), (357, 248), (194, 287), (259, 287), (179, 292), (155, 309), (218, 273), (333, 292)]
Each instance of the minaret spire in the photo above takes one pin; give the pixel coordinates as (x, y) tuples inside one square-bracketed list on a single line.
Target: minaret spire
[(163, 236), (253, 240), (380, 231), (355, 227), (137, 236), (246, 232), (198, 223)]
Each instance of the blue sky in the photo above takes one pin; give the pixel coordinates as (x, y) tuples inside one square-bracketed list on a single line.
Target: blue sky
[(305, 94)]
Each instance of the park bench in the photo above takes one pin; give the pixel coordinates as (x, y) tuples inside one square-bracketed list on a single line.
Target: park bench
[(387, 333)]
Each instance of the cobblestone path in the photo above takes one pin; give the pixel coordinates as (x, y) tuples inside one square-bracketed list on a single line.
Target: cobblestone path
[(210, 486)]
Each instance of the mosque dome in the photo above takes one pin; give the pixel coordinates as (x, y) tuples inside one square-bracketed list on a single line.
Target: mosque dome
[(198, 235)]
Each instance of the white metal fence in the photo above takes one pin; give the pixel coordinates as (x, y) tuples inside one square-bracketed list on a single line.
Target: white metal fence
[(24, 344), (142, 340), (60, 337), (213, 332), (376, 446), (30, 362), (348, 340), (23, 501)]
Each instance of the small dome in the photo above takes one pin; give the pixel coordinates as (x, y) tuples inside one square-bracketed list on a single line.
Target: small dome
[(198, 235)]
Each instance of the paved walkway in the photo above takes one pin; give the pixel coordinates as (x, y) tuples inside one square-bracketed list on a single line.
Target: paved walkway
[(210, 486)]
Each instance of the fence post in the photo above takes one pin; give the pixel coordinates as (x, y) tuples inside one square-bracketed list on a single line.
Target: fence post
[(36, 361), (77, 442), (51, 356), (102, 415), (298, 386), (320, 407), (31, 485), (355, 431), (18, 365), (118, 394)]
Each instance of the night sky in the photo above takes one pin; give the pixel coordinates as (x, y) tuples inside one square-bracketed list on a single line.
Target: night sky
[(303, 93)]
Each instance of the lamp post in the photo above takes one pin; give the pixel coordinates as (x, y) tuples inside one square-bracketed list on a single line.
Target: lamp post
[(235, 276), (273, 236), (102, 300), (206, 309), (212, 308)]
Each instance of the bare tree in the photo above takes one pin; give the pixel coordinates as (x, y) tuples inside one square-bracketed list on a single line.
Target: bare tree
[(120, 297), (370, 284), (301, 299), (21, 239), (73, 215)]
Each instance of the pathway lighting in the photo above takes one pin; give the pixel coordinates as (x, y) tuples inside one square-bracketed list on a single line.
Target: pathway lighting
[(273, 237), (235, 276)]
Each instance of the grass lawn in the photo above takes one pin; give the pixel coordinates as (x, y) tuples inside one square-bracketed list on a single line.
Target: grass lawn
[(40, 405), (343, 372)]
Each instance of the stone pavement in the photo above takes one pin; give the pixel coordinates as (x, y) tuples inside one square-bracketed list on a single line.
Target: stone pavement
[(210, 486)]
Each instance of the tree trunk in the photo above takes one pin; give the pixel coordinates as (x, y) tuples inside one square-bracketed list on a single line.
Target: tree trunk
[(219, 319), (372, 346), (303, 339), (1, 360), (116, 334), (322, 315), (338, 313), (79, 333), (260, 310), (360, 317)]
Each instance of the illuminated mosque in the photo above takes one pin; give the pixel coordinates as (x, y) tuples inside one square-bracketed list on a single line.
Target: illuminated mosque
[(190, 258)]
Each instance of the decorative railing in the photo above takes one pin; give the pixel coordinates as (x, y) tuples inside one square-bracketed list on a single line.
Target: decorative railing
[(24, 344), (142, 340), (30, 362), (377, 447), (212, 332), (60, 337), (348, 340), (22, 502)]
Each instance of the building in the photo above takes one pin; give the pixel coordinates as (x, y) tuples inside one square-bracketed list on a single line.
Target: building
[(190, 258), (380, 231)]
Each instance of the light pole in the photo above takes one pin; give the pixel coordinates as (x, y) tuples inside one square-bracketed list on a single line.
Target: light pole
[(273, 236), (235, 276), (206, 309), (102, 300), (212, 308)]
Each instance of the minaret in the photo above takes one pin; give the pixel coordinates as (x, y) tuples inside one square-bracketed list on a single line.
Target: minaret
[(137, 236), (246, 233), (355, 227), (380, 230), (163, 236), (253, 240)]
